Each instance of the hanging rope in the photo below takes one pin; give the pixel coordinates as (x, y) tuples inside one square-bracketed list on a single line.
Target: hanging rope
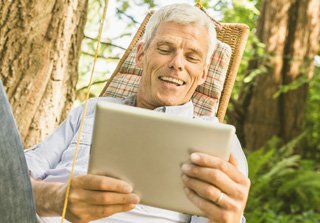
[(199, 4), (84, 113)]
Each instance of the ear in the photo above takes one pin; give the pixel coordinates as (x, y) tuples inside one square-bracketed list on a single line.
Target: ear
[(204, 75), (139, 55)]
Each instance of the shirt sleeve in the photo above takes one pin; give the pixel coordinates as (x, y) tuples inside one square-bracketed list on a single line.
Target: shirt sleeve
[(47, 154), (236, 149), (196, 219)]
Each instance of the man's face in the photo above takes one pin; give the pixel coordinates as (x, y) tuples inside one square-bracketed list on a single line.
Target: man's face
[(173, 65)]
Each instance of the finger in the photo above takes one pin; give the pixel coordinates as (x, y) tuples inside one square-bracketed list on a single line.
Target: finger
[(207, 192), (103, 198), (233, 160), (105, 211), (84, 213), (206, 160), (205, 206), (212, 176), (102, 183)]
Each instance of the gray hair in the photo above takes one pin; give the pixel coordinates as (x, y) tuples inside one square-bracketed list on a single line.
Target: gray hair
[(183, 14)]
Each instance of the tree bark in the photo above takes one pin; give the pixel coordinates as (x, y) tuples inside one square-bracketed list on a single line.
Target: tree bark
[(290, 31), (39, 52)]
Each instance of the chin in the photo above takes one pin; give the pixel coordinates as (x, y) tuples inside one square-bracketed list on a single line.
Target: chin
[(170, 102)]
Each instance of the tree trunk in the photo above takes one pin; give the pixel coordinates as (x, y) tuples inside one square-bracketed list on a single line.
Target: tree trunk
[(39, 52), (290, 31)]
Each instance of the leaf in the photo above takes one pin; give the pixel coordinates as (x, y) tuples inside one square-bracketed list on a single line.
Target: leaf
[(257, 160), (292, 86)]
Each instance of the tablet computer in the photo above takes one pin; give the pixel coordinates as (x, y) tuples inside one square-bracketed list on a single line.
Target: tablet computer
[(147, 148)]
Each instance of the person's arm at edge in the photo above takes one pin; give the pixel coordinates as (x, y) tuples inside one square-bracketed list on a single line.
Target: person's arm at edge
[(48, 197)]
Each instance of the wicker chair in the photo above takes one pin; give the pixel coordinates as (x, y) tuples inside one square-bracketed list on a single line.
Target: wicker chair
[(211, 100)]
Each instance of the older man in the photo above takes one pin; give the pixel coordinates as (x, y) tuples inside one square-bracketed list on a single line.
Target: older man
[(174, 55)]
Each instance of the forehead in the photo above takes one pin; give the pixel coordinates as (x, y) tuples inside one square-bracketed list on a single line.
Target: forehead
[(186, 36)]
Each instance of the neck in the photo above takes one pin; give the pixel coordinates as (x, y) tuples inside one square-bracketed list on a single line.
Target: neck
[(142, 104)]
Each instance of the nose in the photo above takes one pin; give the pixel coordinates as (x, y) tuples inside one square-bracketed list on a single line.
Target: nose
[(176, 61)]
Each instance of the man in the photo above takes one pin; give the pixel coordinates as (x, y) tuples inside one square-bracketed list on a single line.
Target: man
[(174, 54)]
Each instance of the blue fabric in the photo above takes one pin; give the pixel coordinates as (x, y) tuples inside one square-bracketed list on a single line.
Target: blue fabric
[(16, 198)]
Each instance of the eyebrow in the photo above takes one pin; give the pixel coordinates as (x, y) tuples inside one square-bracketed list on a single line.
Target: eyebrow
[(164, 42), (192, 49)]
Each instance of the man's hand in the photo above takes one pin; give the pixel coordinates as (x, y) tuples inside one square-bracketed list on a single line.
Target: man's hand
[(91, 197), (217, 187)]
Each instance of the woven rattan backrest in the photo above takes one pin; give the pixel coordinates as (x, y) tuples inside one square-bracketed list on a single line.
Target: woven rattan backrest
[(233, 34)]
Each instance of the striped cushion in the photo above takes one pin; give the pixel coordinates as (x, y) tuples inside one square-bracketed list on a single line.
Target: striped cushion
[(205, 99)]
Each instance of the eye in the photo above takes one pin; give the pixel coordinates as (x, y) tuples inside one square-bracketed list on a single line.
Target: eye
[(164, 50), (193, 59)]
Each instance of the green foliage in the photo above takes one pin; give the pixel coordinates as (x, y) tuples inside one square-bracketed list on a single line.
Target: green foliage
[(242, 11), (285, 179), (255, 51), (270, 216), (246, 11), (311, 145), (285, 187), (292, 86)]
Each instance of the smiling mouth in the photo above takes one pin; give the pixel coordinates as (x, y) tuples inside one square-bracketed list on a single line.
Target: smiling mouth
[(172, 80)]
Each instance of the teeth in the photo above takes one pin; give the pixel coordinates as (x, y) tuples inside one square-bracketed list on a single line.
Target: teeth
[(172, 80)]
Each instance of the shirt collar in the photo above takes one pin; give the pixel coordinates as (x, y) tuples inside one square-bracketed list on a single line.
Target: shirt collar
[(181, 110)]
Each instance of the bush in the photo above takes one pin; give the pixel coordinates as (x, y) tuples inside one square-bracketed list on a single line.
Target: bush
[(285, 187)]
